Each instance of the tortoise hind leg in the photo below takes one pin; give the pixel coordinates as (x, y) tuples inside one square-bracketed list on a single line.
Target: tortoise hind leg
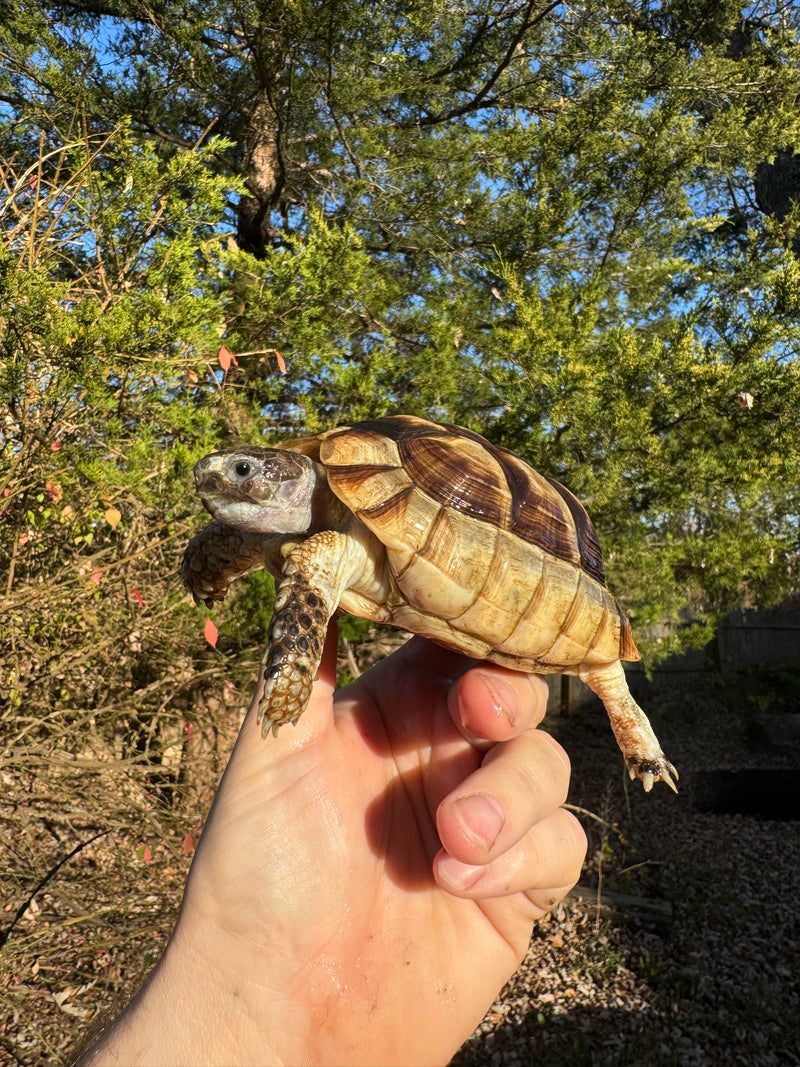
[(631, 727)]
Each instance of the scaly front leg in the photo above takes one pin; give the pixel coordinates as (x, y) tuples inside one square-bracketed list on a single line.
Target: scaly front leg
[(220, 554), (314, 577)]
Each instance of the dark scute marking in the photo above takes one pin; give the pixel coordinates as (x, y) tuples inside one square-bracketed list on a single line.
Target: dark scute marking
[(440, 468), (536, 516), (305, 620), (447, 475), (462, 431), (345, 479), (387, 508), (588, 544)]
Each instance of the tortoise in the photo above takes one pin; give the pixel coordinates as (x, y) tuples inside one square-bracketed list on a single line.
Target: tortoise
[(432, 529)]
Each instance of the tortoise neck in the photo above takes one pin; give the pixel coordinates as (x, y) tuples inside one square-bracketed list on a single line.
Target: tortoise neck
[(327, 510)]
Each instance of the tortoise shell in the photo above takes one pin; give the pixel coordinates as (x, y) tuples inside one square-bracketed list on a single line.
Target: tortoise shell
[(477, 538), (432, 529)]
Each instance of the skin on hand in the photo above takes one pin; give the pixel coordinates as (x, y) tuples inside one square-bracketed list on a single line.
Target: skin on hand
[(365, 883)]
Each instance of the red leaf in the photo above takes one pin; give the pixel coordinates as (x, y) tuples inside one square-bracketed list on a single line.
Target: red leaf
[(187, 727), (226, 357), (55, 446), (96, 577), (281, 362), (54, 489), (147, 855), (139, 599), (211, 633), (189, 844)]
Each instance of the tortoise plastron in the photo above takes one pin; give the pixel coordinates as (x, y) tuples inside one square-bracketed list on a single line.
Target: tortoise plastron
[(432, 529)]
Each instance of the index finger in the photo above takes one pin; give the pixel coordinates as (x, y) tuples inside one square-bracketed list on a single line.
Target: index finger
[(490, 703)]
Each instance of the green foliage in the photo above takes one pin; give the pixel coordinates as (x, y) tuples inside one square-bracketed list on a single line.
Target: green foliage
[(107, 310), (537, 223)]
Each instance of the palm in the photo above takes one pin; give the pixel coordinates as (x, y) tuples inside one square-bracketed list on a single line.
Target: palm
[(318, 858)]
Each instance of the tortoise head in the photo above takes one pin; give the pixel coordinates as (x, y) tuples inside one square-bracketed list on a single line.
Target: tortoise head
[(266, 490)]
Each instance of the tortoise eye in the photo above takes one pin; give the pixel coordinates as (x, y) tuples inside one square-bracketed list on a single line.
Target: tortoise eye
[(242, 468)]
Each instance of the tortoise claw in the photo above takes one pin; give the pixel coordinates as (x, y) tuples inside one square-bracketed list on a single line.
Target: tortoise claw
[(649, 771)]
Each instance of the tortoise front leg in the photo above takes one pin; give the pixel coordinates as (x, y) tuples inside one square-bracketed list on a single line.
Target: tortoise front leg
[(220, 554), (314, 577)]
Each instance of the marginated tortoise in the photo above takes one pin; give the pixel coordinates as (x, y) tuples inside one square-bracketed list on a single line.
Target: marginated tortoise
[(429, 528)]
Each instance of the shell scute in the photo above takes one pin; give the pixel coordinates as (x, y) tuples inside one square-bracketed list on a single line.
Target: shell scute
[(506, 590), (368, 487), (402, 522), (537, 515), (360, 445), (451, 567), (460, 474), (550, 603), (588, 544)]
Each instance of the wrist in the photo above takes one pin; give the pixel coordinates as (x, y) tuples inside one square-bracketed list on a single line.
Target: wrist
[(196, 1008)]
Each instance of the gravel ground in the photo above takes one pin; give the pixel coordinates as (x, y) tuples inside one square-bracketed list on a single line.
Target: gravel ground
[(694, 957)]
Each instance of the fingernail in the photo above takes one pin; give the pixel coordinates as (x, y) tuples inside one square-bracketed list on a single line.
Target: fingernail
[(458, 876), (480, 818)]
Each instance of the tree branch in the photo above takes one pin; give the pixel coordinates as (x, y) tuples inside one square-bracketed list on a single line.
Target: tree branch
[(480, 97)]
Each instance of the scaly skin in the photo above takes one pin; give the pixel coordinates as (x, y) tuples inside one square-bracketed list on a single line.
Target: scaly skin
[(639, 745), (296, 639), (314, 577), (217, 556)]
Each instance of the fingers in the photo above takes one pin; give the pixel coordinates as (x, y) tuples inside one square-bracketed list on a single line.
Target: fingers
[(491, 703), (543, 865), (519, 783), (502, 829)]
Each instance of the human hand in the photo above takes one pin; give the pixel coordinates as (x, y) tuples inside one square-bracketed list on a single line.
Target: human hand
[(367, 881)]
